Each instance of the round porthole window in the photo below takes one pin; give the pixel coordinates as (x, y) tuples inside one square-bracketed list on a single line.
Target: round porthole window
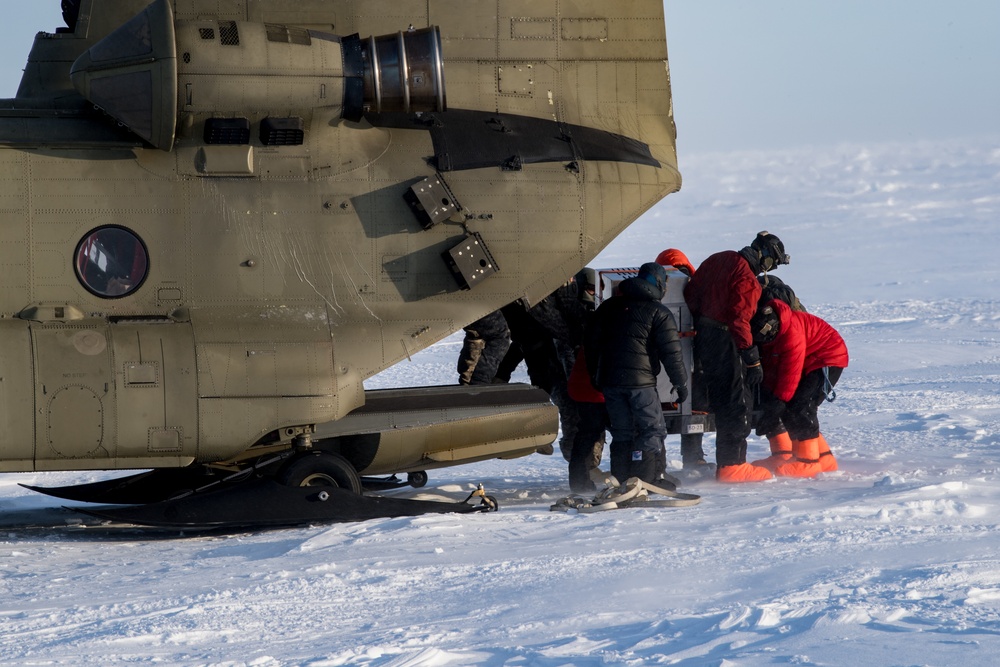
[(111, 262)]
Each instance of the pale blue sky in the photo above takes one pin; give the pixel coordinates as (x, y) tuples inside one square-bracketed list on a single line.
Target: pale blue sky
[(780, 73)]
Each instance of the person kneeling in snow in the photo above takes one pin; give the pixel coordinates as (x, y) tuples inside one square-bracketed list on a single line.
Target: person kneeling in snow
[(803, 358)]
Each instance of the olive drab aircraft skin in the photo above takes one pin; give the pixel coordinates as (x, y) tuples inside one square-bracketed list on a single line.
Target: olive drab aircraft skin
[(222, 216)]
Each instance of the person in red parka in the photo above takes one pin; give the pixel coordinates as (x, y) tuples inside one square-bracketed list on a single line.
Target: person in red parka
[(773, 429), (722, 296), (803, 357)]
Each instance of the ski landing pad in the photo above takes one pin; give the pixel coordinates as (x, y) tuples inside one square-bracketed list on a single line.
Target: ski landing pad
[(265, 503)]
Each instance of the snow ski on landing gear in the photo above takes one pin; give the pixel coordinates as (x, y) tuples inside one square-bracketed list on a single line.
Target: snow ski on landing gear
[(266, 503), (397, 431)]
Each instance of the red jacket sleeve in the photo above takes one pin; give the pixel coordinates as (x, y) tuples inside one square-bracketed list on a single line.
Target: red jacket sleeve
[(744, 296)]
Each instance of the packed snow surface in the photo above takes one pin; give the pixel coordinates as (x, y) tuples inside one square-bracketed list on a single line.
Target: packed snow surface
[(893, 560)]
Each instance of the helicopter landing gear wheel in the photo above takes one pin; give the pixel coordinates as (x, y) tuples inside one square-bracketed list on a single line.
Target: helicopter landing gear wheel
[(416, 479), (320, 469)]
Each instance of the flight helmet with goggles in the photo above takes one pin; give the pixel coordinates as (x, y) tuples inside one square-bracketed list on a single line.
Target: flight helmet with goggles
[(771, 249)]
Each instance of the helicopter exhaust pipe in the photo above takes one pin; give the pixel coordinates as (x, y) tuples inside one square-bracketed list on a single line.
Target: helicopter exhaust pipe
[(402, 72), (150, 70)]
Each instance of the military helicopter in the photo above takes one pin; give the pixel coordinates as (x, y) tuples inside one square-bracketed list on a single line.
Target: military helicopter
[(222, 216)]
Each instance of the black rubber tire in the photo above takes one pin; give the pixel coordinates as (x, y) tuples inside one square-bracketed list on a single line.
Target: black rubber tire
[(416, 479), (320, 469)]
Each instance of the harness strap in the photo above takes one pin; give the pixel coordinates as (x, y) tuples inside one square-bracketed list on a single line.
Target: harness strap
[(828, 391)]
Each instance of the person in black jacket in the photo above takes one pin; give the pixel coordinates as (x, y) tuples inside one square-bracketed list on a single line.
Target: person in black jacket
[(632, 335)]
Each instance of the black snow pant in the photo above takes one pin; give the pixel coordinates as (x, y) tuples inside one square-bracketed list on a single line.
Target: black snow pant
[(588, 445), (637, 432), (801, 413), (729, 397)]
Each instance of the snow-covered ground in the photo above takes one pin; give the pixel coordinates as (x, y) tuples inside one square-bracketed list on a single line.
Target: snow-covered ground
[(893, 560)]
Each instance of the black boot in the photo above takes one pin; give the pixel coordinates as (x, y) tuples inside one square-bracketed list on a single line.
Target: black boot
[(620, 462), (643, 468), (691, 452)]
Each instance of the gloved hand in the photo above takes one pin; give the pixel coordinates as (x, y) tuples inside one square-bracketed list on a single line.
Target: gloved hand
[(751, 360), (682, 393)]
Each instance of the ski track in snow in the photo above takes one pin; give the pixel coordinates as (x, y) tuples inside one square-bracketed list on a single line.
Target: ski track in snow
[(893, 560)]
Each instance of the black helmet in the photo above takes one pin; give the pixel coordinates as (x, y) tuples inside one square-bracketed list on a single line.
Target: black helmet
[(586, 284), (655, 275), (765, 324), (771, 249)]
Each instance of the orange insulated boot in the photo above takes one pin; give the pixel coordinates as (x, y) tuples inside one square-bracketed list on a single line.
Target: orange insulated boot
[(826, 460), (742, 472), (806, 463), (781, 451)]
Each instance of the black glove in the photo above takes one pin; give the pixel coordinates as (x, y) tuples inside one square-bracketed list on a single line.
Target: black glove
[(682, 393), (751, 359)]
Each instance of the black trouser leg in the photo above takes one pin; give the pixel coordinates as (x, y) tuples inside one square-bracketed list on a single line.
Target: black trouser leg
[(802, 412), (691, 450), (587, 446), (728, 395)]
